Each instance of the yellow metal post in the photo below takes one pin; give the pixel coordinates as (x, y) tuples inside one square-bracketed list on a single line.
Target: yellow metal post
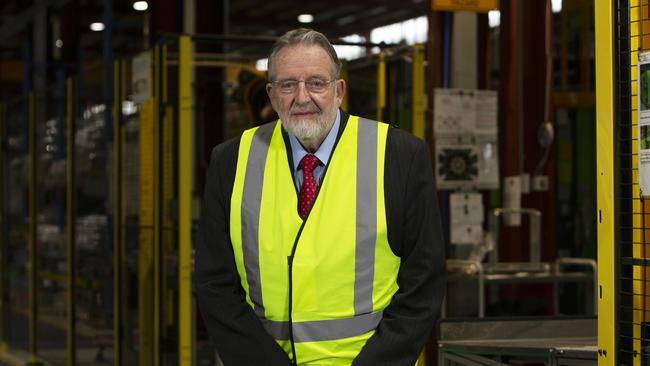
[(381, 86), (185, 200), (33, 215), (145, 257), (157, 215), (168, 237), (344, 76), (605, 167), (147, 234), (118, 96), (418, 91), (70, 209)]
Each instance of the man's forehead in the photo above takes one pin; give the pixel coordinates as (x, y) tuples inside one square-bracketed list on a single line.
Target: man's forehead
[(305, 58), (299, 50)]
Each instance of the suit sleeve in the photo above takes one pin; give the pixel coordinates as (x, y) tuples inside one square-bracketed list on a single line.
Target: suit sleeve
[(415, 225), (239, 336)]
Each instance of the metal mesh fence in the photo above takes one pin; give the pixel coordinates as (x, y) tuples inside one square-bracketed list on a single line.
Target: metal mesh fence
[(632, 37)]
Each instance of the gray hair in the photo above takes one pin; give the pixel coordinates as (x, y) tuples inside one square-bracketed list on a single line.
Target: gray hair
[(306, 37)]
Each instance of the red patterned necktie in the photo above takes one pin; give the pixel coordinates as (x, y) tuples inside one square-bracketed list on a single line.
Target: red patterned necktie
[(309, 186)]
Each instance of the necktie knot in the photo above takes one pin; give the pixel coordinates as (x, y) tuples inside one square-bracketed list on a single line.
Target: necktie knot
[(308, 163)]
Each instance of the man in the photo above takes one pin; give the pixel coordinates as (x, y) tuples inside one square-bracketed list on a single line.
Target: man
[(320, 241)]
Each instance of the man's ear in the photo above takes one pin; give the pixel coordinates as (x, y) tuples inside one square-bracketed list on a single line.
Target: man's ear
[(340, 90)]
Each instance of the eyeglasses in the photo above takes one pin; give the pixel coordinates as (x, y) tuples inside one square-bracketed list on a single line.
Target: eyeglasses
[(314, 85)]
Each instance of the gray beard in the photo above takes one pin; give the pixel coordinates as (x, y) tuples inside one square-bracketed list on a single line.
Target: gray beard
[(311, 133)]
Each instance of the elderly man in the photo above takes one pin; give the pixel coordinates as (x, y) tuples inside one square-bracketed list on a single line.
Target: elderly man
[(320, 240)]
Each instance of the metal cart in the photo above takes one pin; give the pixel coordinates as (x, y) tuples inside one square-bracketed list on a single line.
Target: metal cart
[(527, 341), (563, 270)]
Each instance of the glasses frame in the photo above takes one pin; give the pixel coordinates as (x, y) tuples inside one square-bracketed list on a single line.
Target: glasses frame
[(276, 83)]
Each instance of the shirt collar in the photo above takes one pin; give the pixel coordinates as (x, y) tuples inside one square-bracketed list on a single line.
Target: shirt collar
[(323, 153)]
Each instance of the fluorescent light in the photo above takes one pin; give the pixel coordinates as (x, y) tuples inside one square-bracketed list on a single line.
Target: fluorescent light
[(556, 6), (97, 26), (305, 18), (140, 5), (494, 18), (262, 64)]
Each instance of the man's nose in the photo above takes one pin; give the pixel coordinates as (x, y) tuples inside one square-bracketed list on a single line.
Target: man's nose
[(302, 94)]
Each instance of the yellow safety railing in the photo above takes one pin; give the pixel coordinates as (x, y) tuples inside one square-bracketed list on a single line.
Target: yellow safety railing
[(605, 179)]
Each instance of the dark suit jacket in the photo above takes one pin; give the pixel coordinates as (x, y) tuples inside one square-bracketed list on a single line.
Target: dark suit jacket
[(414, 234)]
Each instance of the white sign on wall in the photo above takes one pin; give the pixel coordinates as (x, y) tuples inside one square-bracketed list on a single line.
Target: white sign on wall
[(466, 138)]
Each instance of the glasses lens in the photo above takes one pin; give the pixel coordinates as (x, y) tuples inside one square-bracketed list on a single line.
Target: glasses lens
[(313, 85), (316, 85), (288, 86)]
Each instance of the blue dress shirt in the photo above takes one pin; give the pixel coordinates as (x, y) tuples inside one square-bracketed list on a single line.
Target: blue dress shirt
[(323, 153)]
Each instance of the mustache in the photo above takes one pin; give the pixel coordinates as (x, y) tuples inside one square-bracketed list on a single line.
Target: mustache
[(312, 108)]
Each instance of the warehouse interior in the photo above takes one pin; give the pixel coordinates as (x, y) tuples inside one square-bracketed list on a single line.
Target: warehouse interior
[(109, 110)]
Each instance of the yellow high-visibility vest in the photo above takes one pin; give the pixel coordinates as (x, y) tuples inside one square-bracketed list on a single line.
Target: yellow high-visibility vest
[(336, 266)]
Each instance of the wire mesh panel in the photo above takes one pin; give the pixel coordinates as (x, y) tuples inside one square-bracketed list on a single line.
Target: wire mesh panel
[(93, 250), (52, 263), (633, 208)]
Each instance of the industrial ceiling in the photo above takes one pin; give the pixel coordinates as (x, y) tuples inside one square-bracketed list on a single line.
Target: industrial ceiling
[(335, 18)]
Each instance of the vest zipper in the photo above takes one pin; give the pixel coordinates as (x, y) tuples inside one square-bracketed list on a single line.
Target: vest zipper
[(295, 242), (293, 346), (290, 267)]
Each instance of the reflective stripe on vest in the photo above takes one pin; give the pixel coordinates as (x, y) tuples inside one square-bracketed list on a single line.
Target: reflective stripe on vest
[(324, 330), (363, 320), (251, 201), (366, 216)]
